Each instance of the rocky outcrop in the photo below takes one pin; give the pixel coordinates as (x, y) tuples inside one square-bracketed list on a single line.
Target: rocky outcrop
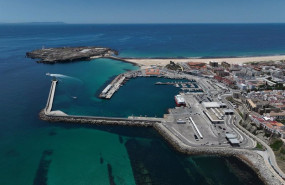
[(69, 54)]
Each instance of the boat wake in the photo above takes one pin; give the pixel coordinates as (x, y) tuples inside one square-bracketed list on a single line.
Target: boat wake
[(61, 76)]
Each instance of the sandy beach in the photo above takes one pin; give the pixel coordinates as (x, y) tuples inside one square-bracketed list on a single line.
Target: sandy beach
[(144, 62)]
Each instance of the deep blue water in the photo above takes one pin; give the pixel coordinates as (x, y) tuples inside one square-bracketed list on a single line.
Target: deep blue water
[(181, 40), (38, 152)]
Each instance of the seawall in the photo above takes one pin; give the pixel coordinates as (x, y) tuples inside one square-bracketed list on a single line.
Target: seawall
[(249, 157), (97, 120)]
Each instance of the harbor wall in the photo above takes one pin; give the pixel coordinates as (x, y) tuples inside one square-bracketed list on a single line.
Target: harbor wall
[(97, 120), (251, 158), (50, 97)]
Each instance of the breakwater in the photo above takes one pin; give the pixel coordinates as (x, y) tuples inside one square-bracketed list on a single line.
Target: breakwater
[(251, 158), (113, 87), (50, 97), (131, 121)]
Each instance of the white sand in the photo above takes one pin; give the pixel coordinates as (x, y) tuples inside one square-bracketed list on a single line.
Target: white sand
[(162, 62)]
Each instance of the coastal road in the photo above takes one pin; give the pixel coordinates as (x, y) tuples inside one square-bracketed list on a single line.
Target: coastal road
[(270, 156)]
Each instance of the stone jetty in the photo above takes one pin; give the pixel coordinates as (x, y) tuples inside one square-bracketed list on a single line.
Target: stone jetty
[(249, 156), (113, 87), (69, 54), (138, 122)]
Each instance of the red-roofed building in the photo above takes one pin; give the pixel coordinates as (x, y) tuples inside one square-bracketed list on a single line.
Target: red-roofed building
[(271, 126), (152, 72), (196, 65)]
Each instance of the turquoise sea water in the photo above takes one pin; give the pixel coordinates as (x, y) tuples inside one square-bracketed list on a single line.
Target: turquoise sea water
[(78, 89), (37, 152)]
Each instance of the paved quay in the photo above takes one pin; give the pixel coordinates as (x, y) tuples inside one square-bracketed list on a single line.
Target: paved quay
[(50, 97), (250, 157), (210, 138)]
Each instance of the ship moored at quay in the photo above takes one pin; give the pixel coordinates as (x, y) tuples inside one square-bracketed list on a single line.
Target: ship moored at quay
[(179, 100)]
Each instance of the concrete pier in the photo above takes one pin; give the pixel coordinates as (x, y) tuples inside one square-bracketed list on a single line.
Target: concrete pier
[(58, 116), (50, 97), (179, 136), (97, 120), (250, 157), (114, 86), (48, 109)]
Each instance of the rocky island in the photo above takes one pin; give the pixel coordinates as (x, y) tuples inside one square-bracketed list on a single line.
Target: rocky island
[(69, 54)]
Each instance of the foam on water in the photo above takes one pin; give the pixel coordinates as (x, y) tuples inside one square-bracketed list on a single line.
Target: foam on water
[(61, 76)]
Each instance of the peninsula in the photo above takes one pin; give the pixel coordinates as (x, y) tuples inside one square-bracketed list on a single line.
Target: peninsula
[(69, 54)]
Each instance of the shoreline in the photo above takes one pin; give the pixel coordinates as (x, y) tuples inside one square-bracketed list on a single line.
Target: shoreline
[(251, 158), (231, 60)]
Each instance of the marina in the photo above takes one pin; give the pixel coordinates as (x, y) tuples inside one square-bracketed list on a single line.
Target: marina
[(198, 125), (75, 152), (176, 134), (189, 85)]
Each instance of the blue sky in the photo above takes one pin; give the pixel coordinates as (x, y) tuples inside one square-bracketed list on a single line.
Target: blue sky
[(143, 11)]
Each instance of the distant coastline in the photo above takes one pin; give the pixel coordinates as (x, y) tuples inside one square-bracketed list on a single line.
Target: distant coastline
[(34, 23), (54, 55)]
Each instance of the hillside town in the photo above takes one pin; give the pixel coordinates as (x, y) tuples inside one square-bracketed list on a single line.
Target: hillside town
[(258, 87)]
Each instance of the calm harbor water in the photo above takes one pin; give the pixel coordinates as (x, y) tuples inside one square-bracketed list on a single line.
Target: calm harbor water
[(77, 94), (37, 152)]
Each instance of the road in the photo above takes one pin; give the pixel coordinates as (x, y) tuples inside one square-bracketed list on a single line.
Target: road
[(269, 156)]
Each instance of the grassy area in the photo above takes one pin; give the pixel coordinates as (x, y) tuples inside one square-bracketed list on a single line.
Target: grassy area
[(259, 146), (276, 144), (278, 147)]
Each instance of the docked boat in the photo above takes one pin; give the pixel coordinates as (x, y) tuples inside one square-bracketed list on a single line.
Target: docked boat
[(179, 100)]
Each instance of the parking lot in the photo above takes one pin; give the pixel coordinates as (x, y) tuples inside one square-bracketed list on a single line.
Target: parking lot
[(193, 127)]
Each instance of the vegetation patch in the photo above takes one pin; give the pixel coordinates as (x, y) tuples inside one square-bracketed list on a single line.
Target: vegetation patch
[(259, 146), (279, 151), (276, 144)]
